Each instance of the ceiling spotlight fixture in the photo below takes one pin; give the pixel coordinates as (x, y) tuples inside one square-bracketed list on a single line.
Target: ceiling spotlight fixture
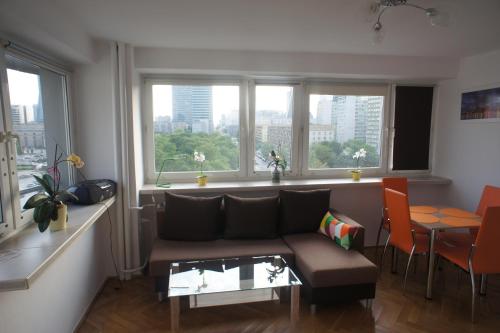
[(379, 7)]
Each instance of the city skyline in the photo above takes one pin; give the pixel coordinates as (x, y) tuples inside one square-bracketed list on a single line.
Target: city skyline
[(225, 99)]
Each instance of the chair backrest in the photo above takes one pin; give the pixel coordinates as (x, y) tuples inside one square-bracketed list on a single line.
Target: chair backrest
[(485, 260), (399, 214), (399, 184), (490, 197)]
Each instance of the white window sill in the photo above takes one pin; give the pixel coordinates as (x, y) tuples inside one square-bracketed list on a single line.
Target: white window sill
[(25, 255), (296, 184)]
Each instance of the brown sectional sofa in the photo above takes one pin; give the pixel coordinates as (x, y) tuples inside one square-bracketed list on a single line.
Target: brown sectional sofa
[(329, 273)]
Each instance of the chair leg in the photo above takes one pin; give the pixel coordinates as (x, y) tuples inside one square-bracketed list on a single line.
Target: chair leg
[(408, 266), (484, 282), (383, 254), (394, 262), (473, 286), (415, 265), (378, 236)]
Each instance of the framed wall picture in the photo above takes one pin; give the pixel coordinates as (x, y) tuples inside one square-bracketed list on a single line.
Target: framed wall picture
[(481, 104)]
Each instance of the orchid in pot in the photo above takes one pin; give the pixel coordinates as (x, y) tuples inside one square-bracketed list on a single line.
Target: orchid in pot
[(201, 179), (359, 155), (49, 208), (277, 162)]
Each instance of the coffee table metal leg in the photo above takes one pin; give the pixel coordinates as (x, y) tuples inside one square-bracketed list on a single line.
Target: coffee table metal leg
[(174, 313), (294, 305), (430, 273)]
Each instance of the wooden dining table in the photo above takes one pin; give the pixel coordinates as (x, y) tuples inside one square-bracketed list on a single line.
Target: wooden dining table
[(440, 218)]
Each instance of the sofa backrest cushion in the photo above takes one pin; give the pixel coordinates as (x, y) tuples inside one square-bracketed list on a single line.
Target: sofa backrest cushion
[(302, 211), (190, 218), (251, 218)]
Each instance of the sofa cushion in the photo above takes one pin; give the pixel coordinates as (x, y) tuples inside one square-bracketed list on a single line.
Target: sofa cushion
[(324, 264), (302, 211), (190, 218), (251, 218), (165, 252), (342, 233)]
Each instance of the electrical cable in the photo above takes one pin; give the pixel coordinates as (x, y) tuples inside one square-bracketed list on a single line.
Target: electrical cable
[(112, 252)]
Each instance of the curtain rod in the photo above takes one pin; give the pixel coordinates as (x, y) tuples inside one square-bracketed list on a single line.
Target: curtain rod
[(35, 56)]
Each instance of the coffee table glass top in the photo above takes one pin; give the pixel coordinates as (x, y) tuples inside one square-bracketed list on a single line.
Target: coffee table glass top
[(224, 275)]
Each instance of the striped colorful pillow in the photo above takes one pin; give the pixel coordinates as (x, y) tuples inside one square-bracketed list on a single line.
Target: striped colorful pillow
[(342, 233)]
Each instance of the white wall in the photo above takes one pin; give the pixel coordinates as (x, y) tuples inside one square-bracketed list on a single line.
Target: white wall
[(468, 152), (157, 60), (94, 126), (60, 296), (53, 30)]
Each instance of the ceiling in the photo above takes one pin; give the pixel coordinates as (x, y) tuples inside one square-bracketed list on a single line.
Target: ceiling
[(333, 26)]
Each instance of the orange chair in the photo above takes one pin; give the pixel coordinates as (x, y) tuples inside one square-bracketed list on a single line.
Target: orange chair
[(490, 197), (403, 236), (399, 184), (479, 257)]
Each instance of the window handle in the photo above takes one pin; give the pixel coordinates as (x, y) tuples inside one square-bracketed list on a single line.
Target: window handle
[(11, 135), (8, 136)]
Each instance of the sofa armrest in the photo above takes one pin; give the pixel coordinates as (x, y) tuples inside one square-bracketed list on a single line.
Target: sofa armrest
[(359, 240)]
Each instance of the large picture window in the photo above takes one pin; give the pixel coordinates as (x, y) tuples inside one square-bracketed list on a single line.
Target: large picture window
[(316, 127), (190, 117), (340, 125), (343, 119)]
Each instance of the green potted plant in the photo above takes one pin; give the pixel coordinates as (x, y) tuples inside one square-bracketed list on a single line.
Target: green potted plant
[(49, 208), (277, 162)]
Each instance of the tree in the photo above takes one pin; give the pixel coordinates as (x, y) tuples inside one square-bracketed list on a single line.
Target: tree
[(177, 149), (332, 154)]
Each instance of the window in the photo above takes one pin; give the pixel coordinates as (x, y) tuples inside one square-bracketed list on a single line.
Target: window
[(412, 127), (195, 117), (342, 120), (316, 126), (34, 120), (340, 125), (273, 123)]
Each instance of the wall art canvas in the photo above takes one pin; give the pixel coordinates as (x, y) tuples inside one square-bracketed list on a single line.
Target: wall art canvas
[(481, 104)]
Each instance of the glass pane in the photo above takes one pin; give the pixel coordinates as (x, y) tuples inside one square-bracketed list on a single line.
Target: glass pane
[(226, 275), (273, 124), (339, 126), (196, 118), (38, 117)]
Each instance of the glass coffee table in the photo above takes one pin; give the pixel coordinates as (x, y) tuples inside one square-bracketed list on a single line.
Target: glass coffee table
[(243, 279)]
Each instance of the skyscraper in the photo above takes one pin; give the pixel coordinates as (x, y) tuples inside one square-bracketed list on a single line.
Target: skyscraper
[(192, 108)]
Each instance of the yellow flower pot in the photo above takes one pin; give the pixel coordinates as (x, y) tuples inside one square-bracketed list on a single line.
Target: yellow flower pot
[(356, 175), (62, 219), (202, 180)]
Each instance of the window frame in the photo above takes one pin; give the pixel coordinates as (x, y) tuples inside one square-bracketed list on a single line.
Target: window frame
[(392, 131), (294, 167), (148, 128), (14, 217), (302, 88), (349, 89)]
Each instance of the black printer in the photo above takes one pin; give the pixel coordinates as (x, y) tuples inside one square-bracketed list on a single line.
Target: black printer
[(90, 192)]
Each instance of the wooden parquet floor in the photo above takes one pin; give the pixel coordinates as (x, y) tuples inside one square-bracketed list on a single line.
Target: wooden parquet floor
[(134, 308)]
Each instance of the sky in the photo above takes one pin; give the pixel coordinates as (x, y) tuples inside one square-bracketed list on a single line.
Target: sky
[(24, 88), (224, 99)]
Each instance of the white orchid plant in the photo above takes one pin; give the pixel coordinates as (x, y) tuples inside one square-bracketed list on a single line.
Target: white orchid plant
[(200, 158), (360, 154)]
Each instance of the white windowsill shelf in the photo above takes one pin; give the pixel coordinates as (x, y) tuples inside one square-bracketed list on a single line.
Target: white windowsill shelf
[(296, 184), (24, 256)]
